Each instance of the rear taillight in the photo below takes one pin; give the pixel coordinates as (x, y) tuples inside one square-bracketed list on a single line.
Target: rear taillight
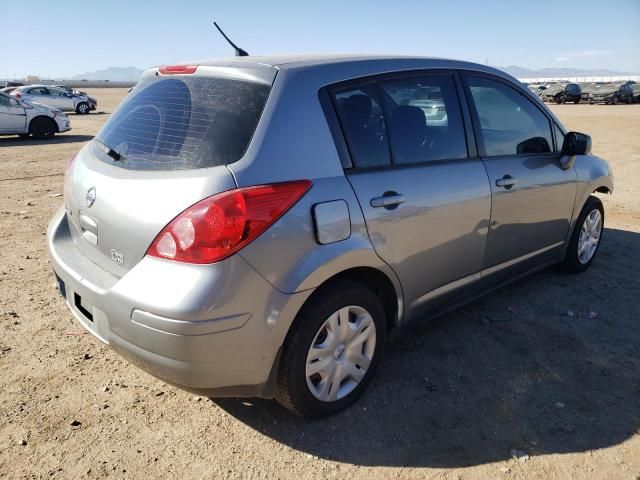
[(17, 94), (178, 69), (219, 226)]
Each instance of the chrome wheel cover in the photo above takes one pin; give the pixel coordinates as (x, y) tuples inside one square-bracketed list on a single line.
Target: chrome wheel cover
[(341, 353), (589, 236)]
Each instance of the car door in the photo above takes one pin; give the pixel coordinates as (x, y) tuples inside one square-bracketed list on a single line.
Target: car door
[(39, 95), (532, 195), (12, 115), (61, 99), (425, 200)]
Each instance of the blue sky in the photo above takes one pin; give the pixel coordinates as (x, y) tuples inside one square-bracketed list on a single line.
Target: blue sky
[(67, 37)]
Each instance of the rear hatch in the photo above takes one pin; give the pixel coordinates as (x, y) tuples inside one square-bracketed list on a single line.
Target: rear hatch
[(165, 148)]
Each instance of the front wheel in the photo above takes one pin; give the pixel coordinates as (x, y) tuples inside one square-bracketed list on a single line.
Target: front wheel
[(332, 350), (585, 238), (42, 127), (83, 108)]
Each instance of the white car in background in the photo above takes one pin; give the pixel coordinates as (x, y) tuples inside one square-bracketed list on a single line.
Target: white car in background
[(24, 118), (54, 97)]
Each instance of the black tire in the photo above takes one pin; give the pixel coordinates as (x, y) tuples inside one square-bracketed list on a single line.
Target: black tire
[(571, 263), (292, 389), (576, 101), (42, 127), (83, 108)]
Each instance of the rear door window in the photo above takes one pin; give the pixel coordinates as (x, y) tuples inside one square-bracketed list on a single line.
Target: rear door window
[(38, 91), (183, 123), (360, 113), (510, 123), (424, 119)]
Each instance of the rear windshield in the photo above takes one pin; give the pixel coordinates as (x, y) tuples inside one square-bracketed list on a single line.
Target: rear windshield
[(183, 123)]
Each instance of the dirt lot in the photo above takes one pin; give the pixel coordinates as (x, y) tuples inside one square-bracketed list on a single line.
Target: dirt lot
[(510, 371)]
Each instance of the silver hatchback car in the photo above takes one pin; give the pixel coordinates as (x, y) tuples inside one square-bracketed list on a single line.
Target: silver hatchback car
[(57, 97), (260, 226)]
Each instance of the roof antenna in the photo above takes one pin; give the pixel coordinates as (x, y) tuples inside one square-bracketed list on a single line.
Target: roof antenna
[(239, 52)]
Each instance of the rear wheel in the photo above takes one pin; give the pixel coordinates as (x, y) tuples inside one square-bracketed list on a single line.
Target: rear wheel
[(83, 108), (332, 350), (585, 240), (42, 127)]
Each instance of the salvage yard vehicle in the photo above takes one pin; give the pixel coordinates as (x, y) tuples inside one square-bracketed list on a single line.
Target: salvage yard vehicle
[(93, 102), (24, 118), (635, 88), (608, 93), (54, 97), (562, 93), (260, 226)]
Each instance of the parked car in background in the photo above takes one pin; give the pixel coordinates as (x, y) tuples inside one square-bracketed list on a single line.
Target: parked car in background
[(92, 100), (562, 93), (7, 90), (24, 118), (607, 93), (54, 97), (241, 227), (536, 88), (635, 88)]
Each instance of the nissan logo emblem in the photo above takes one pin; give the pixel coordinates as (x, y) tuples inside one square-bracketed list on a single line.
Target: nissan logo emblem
[(90, 197)]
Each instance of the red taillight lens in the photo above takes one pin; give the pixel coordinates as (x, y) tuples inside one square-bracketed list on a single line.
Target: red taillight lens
[(17, 94), (217, 227), (178, 69)]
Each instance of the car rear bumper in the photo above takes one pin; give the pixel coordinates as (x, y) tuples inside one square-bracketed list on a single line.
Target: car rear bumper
[(211, 329)]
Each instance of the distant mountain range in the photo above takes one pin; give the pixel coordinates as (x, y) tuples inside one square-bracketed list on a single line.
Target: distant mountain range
[(521, 72), (132, 74), (113, 74)]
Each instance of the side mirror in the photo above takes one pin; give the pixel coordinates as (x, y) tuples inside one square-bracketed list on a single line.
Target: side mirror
[(574, 144)]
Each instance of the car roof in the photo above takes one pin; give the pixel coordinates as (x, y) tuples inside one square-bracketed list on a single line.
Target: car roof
[(296, 61), (350, 62)]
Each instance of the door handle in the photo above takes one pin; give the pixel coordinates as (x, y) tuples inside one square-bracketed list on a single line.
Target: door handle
[(387, 201), (506, 182)]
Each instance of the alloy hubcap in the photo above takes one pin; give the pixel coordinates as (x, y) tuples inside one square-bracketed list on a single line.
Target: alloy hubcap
[(340, 353), (589, 236)]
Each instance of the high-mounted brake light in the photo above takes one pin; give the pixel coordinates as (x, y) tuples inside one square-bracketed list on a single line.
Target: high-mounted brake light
[(219, 226), (178, 69)]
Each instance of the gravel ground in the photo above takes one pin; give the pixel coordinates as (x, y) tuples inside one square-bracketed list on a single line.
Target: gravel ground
[(548, 367)]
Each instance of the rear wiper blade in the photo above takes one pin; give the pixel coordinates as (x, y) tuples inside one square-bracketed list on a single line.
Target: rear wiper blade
[(111, 152)]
